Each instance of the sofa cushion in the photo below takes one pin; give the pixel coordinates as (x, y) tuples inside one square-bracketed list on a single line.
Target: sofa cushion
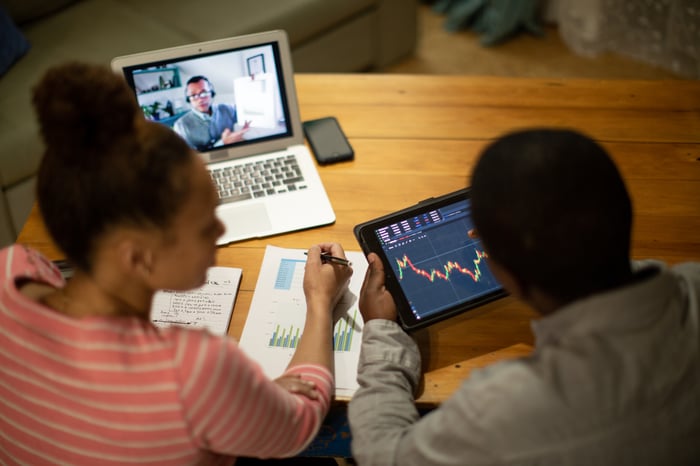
[(56, 39), (23, 11), (12, 43), (302, 19)]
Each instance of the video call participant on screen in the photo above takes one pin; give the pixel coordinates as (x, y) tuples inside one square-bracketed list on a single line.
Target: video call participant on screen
[(85, 377), (614, 378), (207, 124)]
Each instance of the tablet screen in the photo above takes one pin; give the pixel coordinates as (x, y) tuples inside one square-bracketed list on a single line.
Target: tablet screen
[(437, 269)]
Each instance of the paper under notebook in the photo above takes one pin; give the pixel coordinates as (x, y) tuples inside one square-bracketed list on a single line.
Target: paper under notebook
[(278, 311), (209, 306)]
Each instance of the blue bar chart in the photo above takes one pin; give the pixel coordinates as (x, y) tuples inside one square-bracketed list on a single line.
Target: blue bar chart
[(343, 333), (285, 337)]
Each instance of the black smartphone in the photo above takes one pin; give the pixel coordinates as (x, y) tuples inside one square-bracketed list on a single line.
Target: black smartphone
[(327, 140)]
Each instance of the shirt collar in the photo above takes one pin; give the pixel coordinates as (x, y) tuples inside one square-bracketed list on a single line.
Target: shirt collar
[(204, 116)]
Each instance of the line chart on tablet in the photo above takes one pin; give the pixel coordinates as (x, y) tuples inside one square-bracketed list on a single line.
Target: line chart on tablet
[(446, 271), (441, 266)]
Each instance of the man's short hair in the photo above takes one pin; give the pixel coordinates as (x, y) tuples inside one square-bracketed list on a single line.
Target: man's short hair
[(553, 210), (197, 78)]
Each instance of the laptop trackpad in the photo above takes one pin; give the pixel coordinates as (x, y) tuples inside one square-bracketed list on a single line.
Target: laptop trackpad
[(245, 221)]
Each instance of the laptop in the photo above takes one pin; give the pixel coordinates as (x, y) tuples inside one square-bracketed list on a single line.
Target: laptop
[(252, 142)]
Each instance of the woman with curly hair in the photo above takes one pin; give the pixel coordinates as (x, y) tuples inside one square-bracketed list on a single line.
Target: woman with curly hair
[(85, 377)]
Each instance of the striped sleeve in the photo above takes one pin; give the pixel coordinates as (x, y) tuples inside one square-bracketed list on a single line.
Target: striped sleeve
[(233, 408)]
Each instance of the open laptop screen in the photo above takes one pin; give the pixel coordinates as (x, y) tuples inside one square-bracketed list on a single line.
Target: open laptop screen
[(226, 98)]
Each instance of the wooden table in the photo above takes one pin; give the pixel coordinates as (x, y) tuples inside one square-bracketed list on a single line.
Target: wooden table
[(418, 136)]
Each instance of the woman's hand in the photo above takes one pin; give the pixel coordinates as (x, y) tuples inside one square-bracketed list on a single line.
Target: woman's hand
[(325, 283), (293, 383)]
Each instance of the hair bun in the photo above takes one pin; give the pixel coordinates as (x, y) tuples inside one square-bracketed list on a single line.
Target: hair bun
[(83, 108)]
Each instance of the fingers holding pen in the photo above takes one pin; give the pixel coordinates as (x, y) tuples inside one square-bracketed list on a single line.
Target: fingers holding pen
[(313, 256), (328, 253), (325, 278), (333, 253)]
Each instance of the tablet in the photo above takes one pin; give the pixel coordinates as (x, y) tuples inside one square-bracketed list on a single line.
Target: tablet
[(434, 269)]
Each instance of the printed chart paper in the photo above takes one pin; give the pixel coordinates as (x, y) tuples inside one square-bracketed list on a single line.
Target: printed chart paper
[(278, 311)]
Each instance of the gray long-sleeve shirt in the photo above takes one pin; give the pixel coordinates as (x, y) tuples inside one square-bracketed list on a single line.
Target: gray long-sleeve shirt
[(202, 131), (614, 379)]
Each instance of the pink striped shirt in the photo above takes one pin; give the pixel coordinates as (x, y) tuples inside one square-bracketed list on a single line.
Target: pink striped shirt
[(119, 390)]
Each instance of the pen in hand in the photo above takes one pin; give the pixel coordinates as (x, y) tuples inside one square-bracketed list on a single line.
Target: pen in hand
[(334, 260)]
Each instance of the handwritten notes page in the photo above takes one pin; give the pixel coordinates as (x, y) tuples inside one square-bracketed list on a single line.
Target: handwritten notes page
[(278, 311), (209, 306)]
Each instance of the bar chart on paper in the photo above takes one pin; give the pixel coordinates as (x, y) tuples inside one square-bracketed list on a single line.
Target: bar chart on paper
[(288, 337), (277, 314)]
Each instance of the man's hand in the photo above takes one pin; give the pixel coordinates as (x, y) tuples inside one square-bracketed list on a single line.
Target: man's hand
[(228, 136), (375, 301)]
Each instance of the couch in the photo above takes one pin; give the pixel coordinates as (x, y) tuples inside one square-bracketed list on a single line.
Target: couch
[(325, 36)]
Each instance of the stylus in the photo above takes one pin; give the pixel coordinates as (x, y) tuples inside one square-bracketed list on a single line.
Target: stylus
[(334, 260)]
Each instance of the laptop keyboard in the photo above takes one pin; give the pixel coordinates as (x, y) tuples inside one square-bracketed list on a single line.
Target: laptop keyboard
[(251, 180)]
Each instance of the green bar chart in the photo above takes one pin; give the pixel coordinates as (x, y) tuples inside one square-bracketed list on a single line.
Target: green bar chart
[(287, 336)]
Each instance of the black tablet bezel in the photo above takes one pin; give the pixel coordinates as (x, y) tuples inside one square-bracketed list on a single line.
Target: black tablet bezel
[(365, 233)]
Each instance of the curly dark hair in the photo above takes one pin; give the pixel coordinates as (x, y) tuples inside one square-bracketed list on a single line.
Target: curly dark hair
[(552, 208), (104, 165)]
